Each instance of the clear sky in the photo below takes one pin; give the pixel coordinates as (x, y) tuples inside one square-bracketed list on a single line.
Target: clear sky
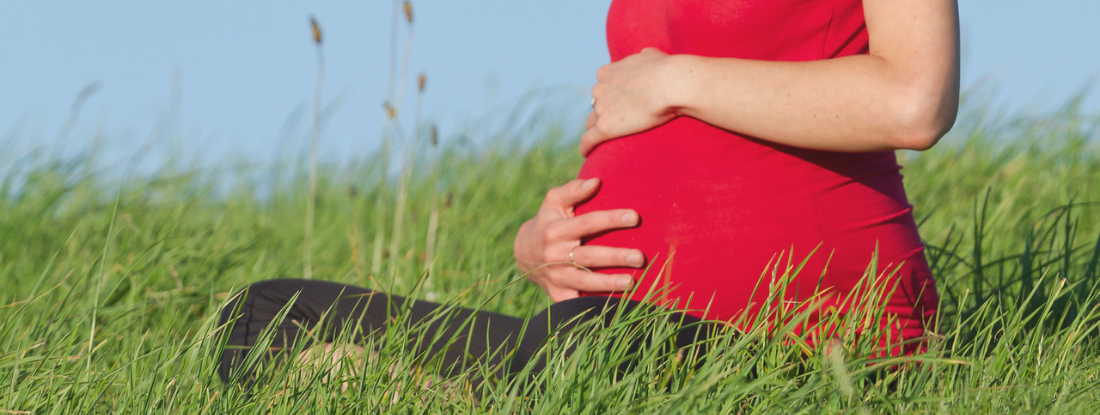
[(240, 74)]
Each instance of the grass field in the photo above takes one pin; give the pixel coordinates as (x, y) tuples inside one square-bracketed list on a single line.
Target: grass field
[(109, 289)]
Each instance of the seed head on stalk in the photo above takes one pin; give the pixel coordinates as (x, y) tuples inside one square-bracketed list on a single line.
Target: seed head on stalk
[(390, 116), (316, 30), (307, 263), (398, 102)]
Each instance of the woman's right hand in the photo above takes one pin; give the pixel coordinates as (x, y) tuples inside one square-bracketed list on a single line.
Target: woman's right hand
[(543, 244)]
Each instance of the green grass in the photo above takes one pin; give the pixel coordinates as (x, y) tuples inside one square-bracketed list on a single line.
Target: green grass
[(109, 290)]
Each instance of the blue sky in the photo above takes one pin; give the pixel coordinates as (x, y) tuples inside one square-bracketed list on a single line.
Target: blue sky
[(243, 71)]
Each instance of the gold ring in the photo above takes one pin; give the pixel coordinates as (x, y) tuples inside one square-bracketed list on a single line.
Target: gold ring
[(571, 261)]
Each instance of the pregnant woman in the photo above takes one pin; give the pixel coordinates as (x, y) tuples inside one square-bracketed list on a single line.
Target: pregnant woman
[(727, 138)]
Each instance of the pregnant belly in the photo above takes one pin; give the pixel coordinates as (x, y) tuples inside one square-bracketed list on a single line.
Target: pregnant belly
[(722, 216), (715, 209)]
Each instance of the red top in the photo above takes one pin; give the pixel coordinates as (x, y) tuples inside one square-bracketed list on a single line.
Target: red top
[(729, 206)]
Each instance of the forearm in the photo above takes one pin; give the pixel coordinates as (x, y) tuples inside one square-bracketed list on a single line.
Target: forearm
[(853, 104)]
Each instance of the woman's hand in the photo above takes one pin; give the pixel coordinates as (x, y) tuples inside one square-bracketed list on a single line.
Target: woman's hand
[(629, 98), (544, 243)]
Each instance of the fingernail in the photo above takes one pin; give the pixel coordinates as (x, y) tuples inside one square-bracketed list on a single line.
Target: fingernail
[(630, 218), (634, 260), (589, 184), (625, 283)]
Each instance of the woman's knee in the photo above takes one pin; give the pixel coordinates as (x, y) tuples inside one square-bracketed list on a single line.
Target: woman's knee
[(280, 285), (262, 297), (564, 315)]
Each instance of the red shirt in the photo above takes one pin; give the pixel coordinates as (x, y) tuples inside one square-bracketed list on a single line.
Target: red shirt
[(736, 210)]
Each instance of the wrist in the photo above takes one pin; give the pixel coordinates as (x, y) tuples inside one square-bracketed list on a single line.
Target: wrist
[(679, 82)]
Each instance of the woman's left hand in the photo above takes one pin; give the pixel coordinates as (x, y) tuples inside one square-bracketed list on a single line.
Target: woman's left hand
[(630, 97)]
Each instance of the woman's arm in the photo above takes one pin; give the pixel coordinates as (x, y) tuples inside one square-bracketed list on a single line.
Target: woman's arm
[(903, 95)]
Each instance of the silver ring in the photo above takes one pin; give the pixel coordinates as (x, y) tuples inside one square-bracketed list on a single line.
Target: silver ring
[(571, 261), (593, 103)]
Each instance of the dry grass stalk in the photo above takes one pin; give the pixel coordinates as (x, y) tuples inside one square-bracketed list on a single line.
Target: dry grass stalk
[(406, 171), (433, 219)]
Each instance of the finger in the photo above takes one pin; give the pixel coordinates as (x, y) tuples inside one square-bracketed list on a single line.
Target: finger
[(595, 222), (597, 94), (595, 256), (603, 72), (591, 122), (561, 294), (572, 193), (582, 280), (591, 138)]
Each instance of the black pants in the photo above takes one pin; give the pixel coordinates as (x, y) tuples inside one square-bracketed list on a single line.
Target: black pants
[(453, 337)]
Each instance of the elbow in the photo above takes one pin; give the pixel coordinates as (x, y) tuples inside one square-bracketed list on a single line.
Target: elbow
[(922, 119)]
